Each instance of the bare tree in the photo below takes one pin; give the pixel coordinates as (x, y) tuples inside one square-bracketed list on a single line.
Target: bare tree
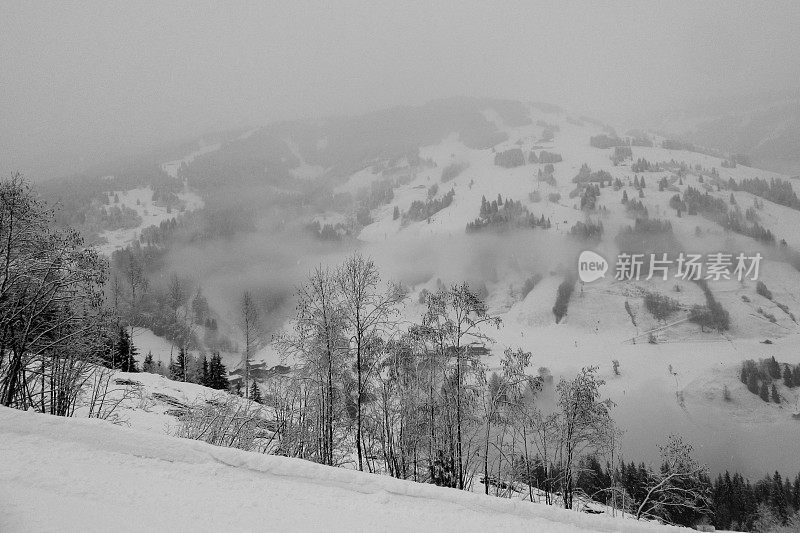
[(583, 423), (318, 343), (503, 396), (459, 315), (52, 322), (251, 330), (368, 313), (678, 487)]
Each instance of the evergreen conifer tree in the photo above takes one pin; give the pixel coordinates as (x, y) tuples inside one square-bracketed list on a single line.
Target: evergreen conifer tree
[(126, 352), (180, 364), (777, 498), (255, 393), (788, 379), (774, 368), (205, 376), (174, 370), (752, 383), (148, 365), (764, 392), (774, 395), (217, 373)]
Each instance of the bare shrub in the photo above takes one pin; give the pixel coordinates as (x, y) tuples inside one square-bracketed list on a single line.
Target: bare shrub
[(226, 420)]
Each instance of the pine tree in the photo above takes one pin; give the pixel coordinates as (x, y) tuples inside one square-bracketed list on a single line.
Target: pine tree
[(796, 493), (774, 395), (180, 365), (796, 376), (788, 379), (148, 365), (217, 373), (774, 368), (125, 352), (255, 393), (205, 376), (752, 383), (174, 370), (200, 307), (764, 392), (624, 197), (777, 498)]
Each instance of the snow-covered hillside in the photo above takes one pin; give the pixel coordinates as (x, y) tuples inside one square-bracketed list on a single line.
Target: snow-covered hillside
[(151, 213), (674, 385), (677, 383), (59, 474)]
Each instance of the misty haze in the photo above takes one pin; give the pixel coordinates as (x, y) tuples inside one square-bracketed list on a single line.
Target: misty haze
[(308, 267)]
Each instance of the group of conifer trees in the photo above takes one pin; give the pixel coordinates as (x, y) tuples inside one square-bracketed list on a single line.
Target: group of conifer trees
[(122, 354), (760, 377)]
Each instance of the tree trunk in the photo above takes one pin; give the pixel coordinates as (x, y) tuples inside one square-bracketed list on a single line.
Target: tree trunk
[(458, 420), (358, 407)]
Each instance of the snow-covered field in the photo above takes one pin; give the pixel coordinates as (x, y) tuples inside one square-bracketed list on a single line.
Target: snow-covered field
[(59, 474), (152, 214)]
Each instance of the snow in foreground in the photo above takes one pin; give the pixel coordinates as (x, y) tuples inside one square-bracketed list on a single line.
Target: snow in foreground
[(60, 474)]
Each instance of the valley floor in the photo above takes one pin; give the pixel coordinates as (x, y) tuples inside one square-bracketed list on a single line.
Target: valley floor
[(60, 474)]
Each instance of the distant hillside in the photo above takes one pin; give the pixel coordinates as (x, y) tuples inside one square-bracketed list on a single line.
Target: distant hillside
[(766, 130)]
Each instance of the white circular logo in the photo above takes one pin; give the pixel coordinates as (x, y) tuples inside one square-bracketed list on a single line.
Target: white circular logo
[(591, 266)]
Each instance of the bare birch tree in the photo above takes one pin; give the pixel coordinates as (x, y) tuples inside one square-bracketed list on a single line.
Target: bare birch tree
[(251, 331), (368, 313)]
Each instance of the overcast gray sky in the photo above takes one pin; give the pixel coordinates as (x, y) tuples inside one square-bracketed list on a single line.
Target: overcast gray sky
[(80, 82)]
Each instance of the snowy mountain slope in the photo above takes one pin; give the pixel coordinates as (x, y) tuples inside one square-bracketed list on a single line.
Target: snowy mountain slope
[(651, 400), (766, 130), (86, 475), (151, 213), (597, 328), (172, 167)]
